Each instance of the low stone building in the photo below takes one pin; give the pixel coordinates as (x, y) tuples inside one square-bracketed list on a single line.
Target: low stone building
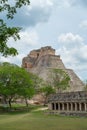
[(68, 102)]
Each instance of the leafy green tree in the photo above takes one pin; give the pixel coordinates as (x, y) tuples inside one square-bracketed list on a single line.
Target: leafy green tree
[(8, 32), (47, 90), (59, 79), (14, 81), (37, 82)]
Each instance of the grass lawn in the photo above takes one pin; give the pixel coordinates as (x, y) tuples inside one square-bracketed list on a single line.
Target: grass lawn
[(38, 120)]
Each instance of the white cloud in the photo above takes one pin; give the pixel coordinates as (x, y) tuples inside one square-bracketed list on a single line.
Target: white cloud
[(81, 3), (83, 24), (63, 3), (73, 51), (70, 40), (28, 38), (69, 3), (42, 3), (37, 12), (15, 60)]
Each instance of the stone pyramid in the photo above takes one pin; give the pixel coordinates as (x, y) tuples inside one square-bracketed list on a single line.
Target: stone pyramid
[(41, 60)]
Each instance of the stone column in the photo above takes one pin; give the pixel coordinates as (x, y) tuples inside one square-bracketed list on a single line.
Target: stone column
[(63, 106), (80, 108), (67, 106), (75, 106), (58, 106), (85, 106), (50, 106), (71, 106)]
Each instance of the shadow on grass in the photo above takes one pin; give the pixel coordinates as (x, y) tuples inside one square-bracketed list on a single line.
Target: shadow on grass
[(18, 109), (13, 110)]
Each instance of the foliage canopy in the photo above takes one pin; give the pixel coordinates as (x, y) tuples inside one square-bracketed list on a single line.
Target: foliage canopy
[(14, 82), (59, 79), (9, 8)]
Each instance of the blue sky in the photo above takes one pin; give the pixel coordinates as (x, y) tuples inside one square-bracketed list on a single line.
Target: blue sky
[(61, 24)]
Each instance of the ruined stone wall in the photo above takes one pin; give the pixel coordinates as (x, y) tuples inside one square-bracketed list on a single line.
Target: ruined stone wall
[(41, 52), (47, 50), (35, 55), (68, 97)]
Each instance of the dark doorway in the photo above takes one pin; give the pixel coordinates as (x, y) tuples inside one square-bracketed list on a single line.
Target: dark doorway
[(73, 106), (53, 106), (78, 107), (82, 106), (60, 106), (56, 106), (65, 106), (69, 106)]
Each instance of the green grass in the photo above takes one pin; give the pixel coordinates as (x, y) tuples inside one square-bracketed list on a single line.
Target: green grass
[(37, 120)]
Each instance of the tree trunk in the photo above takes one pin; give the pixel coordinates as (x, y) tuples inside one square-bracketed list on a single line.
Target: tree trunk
[(26, 102), (10, 103)]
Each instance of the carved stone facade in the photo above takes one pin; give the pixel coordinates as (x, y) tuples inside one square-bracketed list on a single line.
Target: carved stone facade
[(70, 102), (40, 62)]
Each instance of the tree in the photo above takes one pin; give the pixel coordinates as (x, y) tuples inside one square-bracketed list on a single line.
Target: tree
[(14, 81), (59, 79), (8, 32), (37, 82), (47, 90)]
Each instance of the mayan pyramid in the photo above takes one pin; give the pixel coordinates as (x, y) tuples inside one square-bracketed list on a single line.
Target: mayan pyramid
[(39, 61)]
